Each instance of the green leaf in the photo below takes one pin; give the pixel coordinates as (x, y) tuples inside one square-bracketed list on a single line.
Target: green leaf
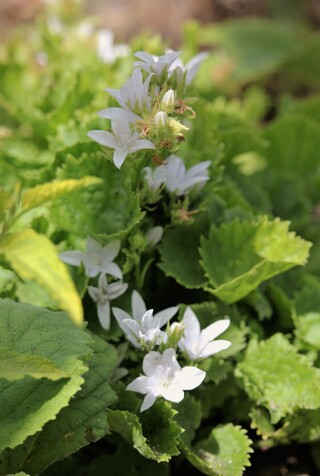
[(15, 366), (306, 314), (188, 417), (154, 434), (84, 421), (253, 59), (180, 257), (224, 453), (51, 191), (34, 257), (105, 210), (28, 403), (237, 257), (282, 385)]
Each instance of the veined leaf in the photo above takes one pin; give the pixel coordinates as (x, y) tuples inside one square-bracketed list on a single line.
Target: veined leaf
[(282, 385), (50, 191), (224, 453), (14, 366), (28, 403), (34, 257), (83, 421), (237, 257)]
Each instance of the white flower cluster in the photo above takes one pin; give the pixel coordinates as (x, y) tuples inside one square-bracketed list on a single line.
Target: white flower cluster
[(147, 106), (164, 377)]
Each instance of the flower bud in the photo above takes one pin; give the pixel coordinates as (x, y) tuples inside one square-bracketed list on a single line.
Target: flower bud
[(168, 100), (160, 119), (154, 235)]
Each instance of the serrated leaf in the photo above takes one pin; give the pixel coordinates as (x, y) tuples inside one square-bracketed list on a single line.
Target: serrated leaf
[(15, 366), (224, 453), (180, 257), (280, 384), (27, 404), (105, 211), (306, 315), (237, 257), (154, 434), (34, 257), (51, 191), (85, 419)]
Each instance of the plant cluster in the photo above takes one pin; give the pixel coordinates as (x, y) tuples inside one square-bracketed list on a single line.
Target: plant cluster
[(156, 310)]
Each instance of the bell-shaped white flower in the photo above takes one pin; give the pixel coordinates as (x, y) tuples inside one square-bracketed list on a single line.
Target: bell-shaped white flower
[(190, 68), (96, 258), (122, 140), (103, 294), (155, 64), (143, 329), (165, 378), (199, 344), (134, 95), (179, 180)]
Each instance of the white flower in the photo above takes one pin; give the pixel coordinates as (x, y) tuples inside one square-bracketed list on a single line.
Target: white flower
[(154, 235), (155, 178), (123, 140), (179, 180), (96, 259), (108, 52), (103, 294), (118, 113), (190, 68), (134, 95), (165, 378), (155, 64), (143, 329), (199, 344)]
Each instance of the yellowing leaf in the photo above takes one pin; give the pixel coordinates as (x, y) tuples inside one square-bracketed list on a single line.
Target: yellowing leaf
[(49, 191), (34, 257)]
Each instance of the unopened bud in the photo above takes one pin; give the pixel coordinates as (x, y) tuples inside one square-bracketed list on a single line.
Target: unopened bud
[(168, 100), (154, 236), (160, 119)]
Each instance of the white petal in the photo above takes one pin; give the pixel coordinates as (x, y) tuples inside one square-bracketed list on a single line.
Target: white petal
[(72, 257), (169, 360), (214, 330), (215, 347), (103, 138), (138, 385), (93, 247), (113, 269), (117, 289), (120, 316), (192, 326), (142, 144), (111, 250), (150, 362), (119, 157), (114, 112), (190, 378), (94, 293), (193, 65), (165, 315), (148, 401), (173, 393), (138, 306), (103, 311)]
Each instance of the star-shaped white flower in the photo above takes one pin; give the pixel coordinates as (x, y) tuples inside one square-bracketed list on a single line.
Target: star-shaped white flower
[(155, 177), (143, 329), (134, 95), (179, 180), (96, 258), (103, 294), (199, 344), (165, 378), (155, 64), (122, 140)]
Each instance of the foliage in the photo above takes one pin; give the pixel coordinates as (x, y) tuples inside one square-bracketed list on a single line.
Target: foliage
[(203, 202)]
